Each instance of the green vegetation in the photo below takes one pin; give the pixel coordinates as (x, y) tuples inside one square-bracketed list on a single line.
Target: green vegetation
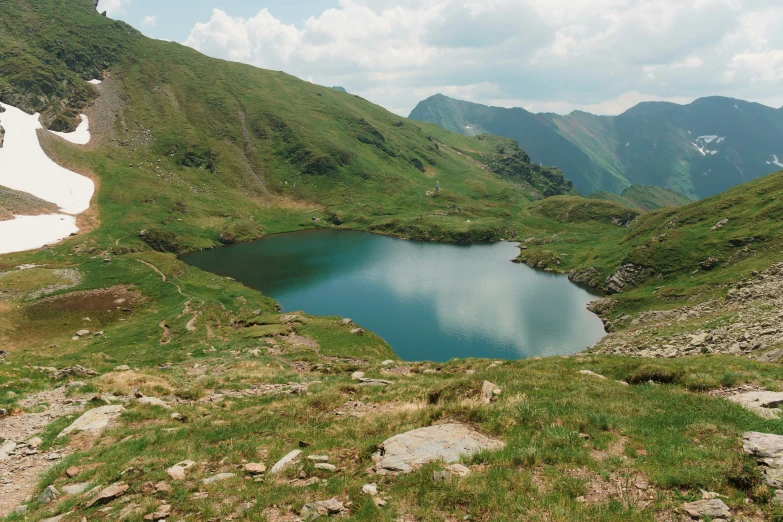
[(192, 153), (644, 198), (670, 243), (697, 150)]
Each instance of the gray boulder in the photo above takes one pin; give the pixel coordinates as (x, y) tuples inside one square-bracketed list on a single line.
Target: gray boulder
[(713, 508), (405, 452), (95, 420)]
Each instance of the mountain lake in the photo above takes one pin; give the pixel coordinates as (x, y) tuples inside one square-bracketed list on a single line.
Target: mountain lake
[(429, 301)]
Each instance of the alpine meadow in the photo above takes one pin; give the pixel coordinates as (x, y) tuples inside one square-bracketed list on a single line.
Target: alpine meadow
[(135, 386)]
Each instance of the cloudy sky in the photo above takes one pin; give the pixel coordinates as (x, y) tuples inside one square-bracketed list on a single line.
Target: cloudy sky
[(602, 56)]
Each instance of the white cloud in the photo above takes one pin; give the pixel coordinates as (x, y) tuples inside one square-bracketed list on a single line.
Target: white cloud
[(149, 21), (603, 55)]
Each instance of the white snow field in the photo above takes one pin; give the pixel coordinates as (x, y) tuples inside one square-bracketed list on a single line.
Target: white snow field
[(81, 136), (31, 232), (25, 167), (95, 82)]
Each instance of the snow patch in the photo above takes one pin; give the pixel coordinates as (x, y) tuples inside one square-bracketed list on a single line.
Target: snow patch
[(31, 232), (81, 136), (713, 152), (25, 167), (707, 139), (95, 82), (777, 162), (701, 149)]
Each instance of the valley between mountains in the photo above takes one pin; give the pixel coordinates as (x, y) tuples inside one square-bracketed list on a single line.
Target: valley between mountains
[(135, 387)]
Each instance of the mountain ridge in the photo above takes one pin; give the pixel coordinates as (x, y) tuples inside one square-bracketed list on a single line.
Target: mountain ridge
[(653, 143)]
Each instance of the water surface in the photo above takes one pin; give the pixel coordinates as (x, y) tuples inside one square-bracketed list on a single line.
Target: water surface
[(429, 301)]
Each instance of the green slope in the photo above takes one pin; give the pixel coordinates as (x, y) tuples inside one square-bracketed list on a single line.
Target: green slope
[(697, 150), (668, 244), (645, 198)]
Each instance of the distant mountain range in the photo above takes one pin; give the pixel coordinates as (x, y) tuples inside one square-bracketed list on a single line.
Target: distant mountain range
[(696, 150)]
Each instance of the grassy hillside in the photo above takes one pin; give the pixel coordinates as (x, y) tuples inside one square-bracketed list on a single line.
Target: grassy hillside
[(240, 144), (697, 150), (645, 198), (670, 244)]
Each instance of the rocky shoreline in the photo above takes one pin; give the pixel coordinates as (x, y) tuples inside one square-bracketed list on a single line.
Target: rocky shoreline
[(748, 321)]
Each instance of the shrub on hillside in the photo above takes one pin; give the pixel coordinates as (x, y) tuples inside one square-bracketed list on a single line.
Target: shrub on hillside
[(654, 372)]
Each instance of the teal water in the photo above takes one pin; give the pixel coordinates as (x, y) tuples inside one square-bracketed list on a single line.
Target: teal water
[(429, 301)]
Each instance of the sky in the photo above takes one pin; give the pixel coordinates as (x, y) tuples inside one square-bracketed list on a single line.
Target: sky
[(601, 56)]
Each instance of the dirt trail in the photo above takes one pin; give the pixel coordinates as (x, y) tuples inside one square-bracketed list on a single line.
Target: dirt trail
[(20, 471), (187, 310)]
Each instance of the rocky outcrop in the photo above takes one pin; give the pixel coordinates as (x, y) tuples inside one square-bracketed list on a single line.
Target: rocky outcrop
[(589, 277), (755, 329), (767, 449), (627, 276), (764, 403)]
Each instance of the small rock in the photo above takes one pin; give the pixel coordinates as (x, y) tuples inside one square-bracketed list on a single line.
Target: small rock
[(218, 478), (379, 502), (162, 513), (178, 417), (255, 468), (76, 384), (387, 362), (709, 495), (326, 467), (154, 401), (592, 374), (72, 471), (6, 449), (318, 458), (116, 490), (179, 470), (458, 470), (35, 442), (163, 487), (315, 510), (122, 368), (713, 508), (20, 510), (439, 476), (374, 382), (489, 391), (357, 375), (58, 518), (346, 321), (286, 462), (76, 489), (49, 494), (82, 333), (357, 331), (370, 489)]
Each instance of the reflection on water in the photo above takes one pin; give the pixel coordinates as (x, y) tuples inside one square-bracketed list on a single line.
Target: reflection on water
[(429, 301)]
